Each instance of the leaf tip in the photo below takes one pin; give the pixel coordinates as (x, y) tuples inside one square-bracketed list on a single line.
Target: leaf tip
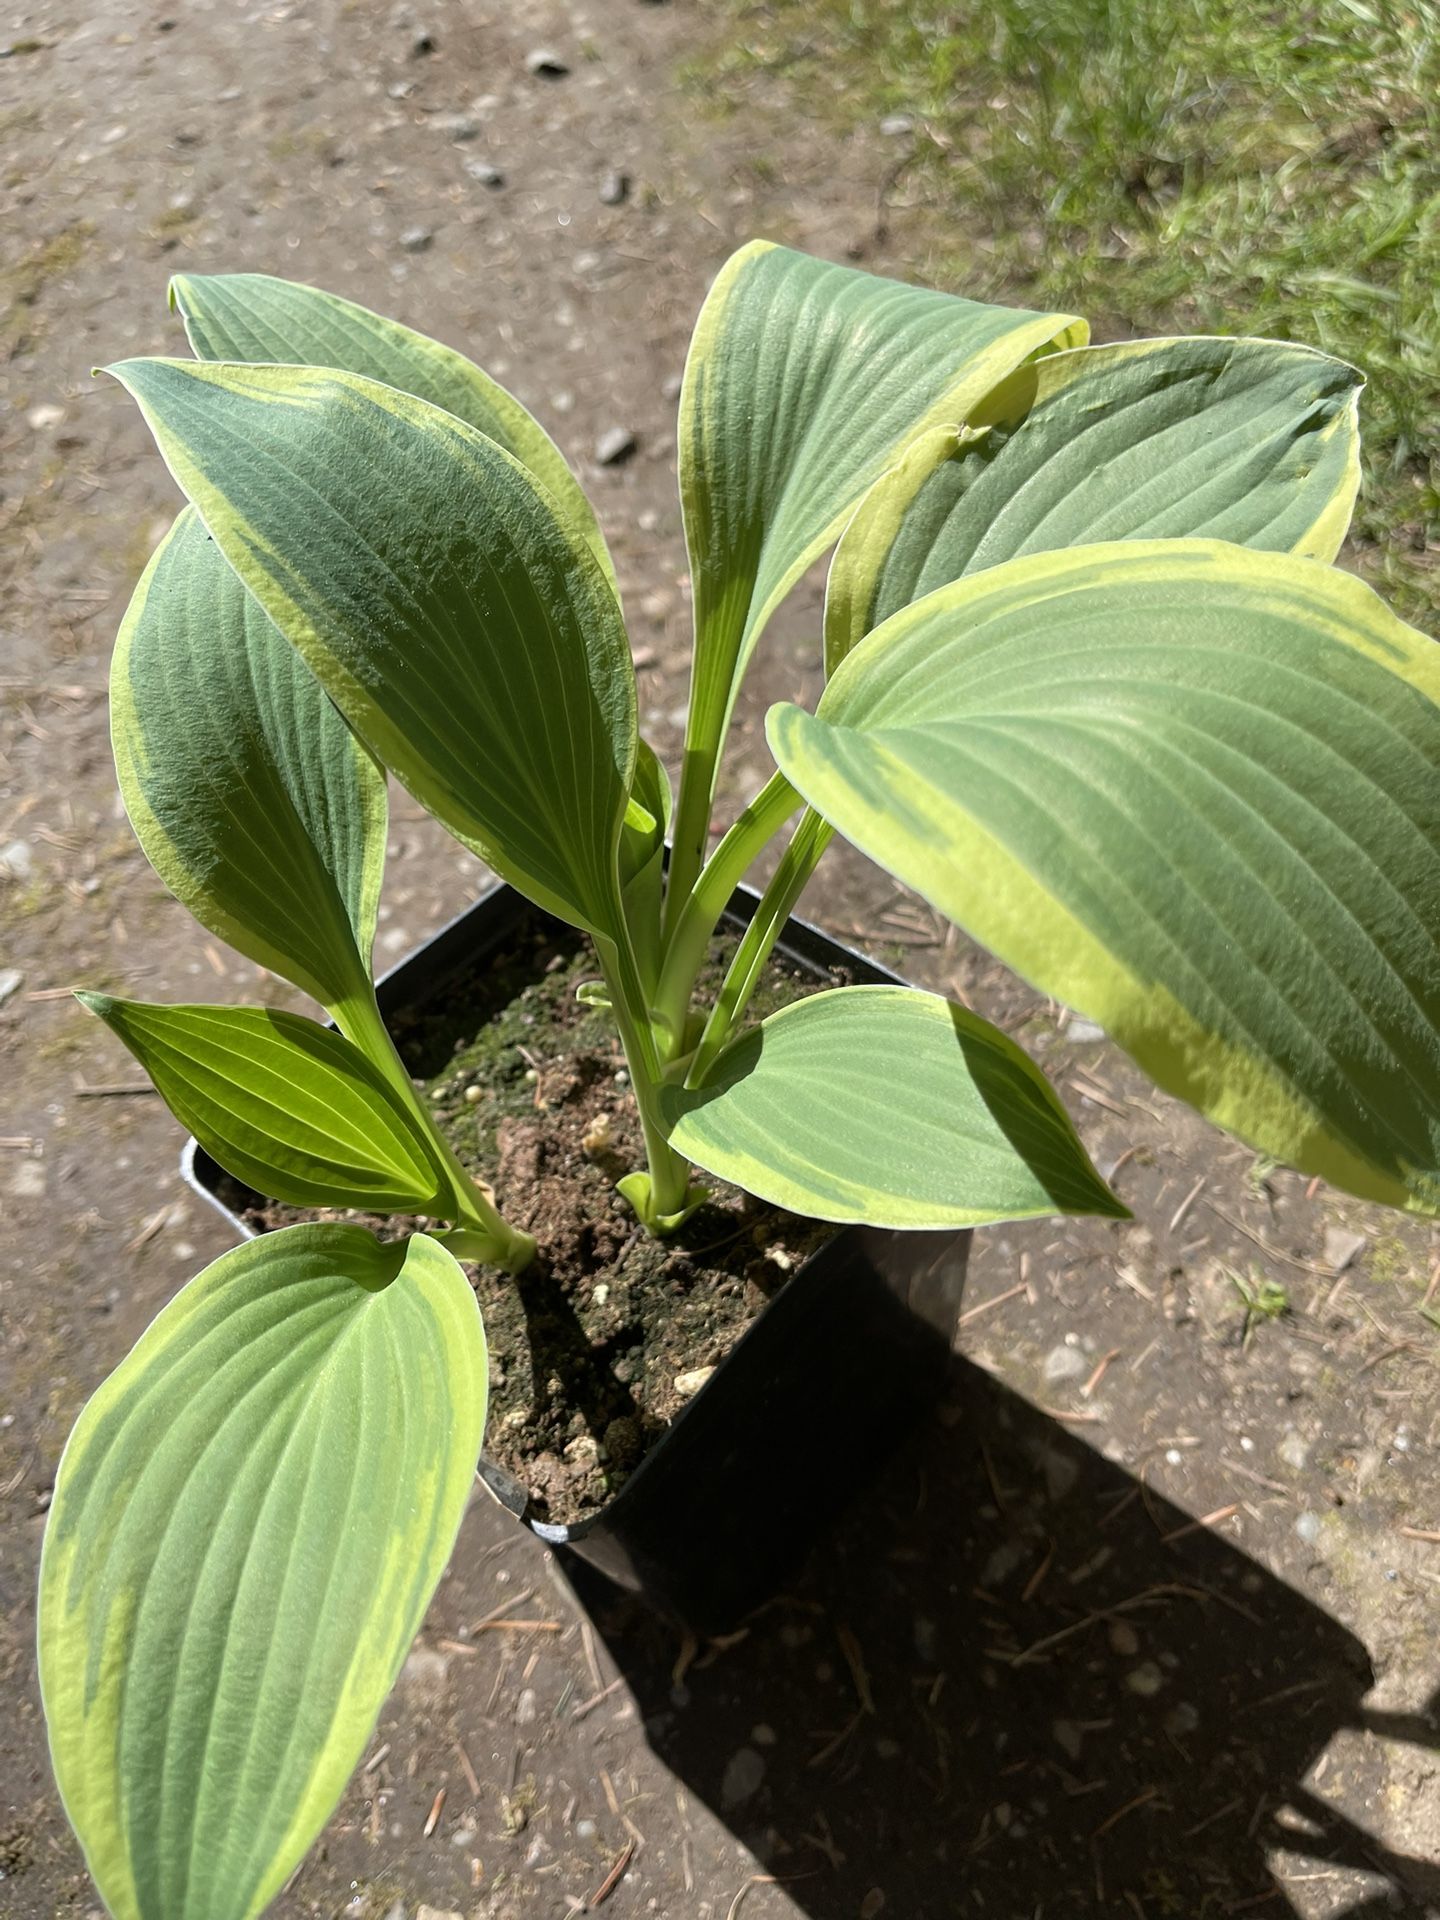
[(100, 1004)]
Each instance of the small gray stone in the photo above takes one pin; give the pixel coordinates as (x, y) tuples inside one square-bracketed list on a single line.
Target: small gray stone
[(895, 124), (548, 65), (11, 981), (27, 1182), (527, 1708), (459, 126), (1067, 1737), (422, 42), (1146, 1680), (670, 386), (486, 172), (1294, 1450), (614, 188), (1084, 1033), (1182, 1720), (744, 1772), (1308, 1528), (18, 859), (416, 239), (1123, 1639), (615, 446), (1342, 1247), (1065, 1363), (425, 1672)]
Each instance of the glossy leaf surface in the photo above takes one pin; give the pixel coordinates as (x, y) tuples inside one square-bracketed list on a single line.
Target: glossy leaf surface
[(253, 800), (249, 1520), (256, 317), (459, 626), (289, 1107), (1193, 791), (1251, 441), (889, 1106)]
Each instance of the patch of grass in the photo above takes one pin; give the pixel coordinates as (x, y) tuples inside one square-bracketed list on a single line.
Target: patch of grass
[(1161, 165)]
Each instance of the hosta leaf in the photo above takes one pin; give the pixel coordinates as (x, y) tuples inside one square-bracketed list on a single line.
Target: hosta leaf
[(253, 800), (289, 1107), (249, 1520), (461, 628), (1193, 791), (803, 381), (255, 317), (1252, 441), (946, 1122)]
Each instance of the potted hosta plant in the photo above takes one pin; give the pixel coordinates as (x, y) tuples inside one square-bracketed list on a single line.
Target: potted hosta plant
[(1093, 689)]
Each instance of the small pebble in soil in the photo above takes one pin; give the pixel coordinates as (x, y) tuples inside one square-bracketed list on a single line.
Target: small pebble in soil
[(1182, 1720), (1342, 1248), (547, 65), (1146, 1680), (1084, 1033), (615, 446), (763, 1735), (416, 239), (527, 1708), (422, 43), (1294, 1450), (474, 1095), (598, 1137), (614, 188), (744, 1773), (1308, 1528), (585, 1829), (18, 859), (425, 1672), (1123, 1639), (687, 1385), (459, 126), (1067, 1737), (894, 124), (873, 1904), (486, 172), (1065, 1363), (11, 981)]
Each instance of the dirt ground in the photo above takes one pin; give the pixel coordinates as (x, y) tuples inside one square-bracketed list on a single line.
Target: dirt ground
[(1143, 1622)]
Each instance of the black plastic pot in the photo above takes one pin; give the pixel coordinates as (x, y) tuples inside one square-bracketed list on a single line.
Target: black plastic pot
[(844, 1360)]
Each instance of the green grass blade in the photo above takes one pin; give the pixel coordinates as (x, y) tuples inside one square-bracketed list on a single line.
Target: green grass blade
[(249, 1520), (947, 1123), (253, 800), (1193, 791)]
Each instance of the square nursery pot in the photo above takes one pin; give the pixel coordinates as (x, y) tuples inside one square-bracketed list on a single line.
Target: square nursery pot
[(844, 1360)]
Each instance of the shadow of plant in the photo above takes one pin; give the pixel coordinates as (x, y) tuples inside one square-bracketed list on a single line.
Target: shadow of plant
[(1018, 1683)]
